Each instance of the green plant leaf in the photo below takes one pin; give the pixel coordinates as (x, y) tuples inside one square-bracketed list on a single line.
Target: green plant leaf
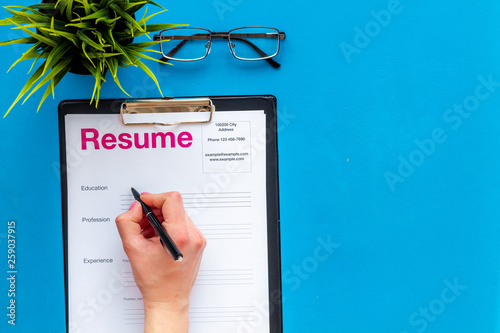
[(30, 54), (133, 7), (89, 41), (112, 65), (97, 86), (56, 54), (155, 4), (33, 25), (144, 20), (126, 16), (157, 27), (119, 48), (62, 65), (104, 3), (52, 24), (110, 22), (139, 54), (149, 72), (69, 36), (27, 86), (113, 68), (94, 55), (36, 16), (89, 66), (82, 25), (94, 7), (23, 9), (60, 5), (69, 8), (45, 6), (9, 20), (110, 38), (86, 7), (103, 13), (39, 37), (100, 39), (50, 88), (85, 53), (25, 40), (65, 6), (143, 45), (41, 55), (148, 29)]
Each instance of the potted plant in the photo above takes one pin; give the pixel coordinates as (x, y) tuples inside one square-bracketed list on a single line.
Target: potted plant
[(81, 36)]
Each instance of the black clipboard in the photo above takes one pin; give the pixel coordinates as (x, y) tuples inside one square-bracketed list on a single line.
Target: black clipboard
[(221, 104)]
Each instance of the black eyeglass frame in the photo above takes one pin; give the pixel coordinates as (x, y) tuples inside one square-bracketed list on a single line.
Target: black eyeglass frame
[(223, 35)]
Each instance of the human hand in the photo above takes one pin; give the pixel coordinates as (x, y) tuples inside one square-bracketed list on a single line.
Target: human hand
[(165, 285)]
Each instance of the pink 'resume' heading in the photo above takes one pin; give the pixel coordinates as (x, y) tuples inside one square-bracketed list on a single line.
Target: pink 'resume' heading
[(91, 137)]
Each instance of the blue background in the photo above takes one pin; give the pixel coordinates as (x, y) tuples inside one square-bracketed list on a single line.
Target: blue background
[(352, 106)]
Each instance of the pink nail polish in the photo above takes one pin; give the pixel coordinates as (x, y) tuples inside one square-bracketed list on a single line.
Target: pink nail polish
[(133, 204)]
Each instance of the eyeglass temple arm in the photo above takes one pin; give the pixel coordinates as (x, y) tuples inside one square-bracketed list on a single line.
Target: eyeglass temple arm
[(172, 52), (259, 51), (175, 49)]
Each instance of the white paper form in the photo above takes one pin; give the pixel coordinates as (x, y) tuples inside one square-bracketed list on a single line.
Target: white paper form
[(220, 170)]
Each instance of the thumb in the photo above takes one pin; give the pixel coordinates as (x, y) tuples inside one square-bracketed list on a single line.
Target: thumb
[(128, 223)]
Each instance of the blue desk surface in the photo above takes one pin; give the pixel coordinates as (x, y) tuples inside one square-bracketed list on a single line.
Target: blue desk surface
[(388, 151)]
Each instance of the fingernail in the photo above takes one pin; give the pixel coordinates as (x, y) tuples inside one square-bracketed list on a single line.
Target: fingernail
[(133, 204)]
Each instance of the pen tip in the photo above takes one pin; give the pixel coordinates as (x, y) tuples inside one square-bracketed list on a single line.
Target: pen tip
[(135, 193)]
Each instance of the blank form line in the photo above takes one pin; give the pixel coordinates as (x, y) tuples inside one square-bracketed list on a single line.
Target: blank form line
[(226, 270), (217, 202), (133, 316), (222, 200), (230, 197), (218, 193), (218, 207), (222, 274), (220, 314), (225, 277)]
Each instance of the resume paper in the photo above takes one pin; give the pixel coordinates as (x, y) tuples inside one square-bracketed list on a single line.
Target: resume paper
[(220, 170)]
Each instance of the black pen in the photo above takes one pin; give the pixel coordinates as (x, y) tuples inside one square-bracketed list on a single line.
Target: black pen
[(165, 239)]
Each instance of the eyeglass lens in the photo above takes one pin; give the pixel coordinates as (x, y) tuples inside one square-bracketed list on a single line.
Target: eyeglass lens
[(185, 43), (254, 43)]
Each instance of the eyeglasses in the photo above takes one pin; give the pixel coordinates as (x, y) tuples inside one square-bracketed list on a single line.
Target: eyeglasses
[(247, 43)]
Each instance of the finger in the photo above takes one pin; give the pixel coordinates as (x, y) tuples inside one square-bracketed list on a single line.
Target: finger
[(174, 216), (171, 205), (128, 223), (158, 213), (149, 232), (144, 223)]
